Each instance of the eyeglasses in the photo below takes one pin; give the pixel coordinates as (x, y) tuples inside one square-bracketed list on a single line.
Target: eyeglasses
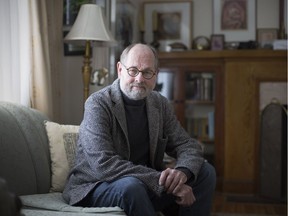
[(134, 71)]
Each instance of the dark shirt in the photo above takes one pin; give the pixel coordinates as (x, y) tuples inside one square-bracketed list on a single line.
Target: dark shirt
[(138, 132)]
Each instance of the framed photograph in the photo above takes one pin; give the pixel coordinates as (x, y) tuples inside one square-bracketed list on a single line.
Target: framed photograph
[(171, 20), (235, 19), (266, 36), (70, 12), (71, 49), (217, 42), (126, 22)]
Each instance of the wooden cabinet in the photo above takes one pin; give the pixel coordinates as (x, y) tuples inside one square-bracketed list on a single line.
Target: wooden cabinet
[(233, 99), (196, 91)]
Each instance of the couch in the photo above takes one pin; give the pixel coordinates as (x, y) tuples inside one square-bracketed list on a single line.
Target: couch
[(28, 161)]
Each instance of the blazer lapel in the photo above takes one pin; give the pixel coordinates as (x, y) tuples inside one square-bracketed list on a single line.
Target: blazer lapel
[(153, 122), (119, 111)]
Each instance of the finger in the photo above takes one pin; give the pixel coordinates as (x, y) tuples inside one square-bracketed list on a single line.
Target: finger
[(193, 197), (176, 190), (178, 180), (172, 184), (172, 180), (163, 176), (184, 202), (182, 177)]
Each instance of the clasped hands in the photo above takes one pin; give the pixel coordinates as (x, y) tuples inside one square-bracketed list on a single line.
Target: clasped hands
[(174, 181)]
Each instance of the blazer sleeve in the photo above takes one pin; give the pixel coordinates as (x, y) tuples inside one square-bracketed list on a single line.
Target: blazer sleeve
[(187, 151)]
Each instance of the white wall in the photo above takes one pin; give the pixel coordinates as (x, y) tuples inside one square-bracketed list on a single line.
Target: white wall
[(267, 16)]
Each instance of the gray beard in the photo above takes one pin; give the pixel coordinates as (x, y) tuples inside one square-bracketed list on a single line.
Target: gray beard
[(136, 95), (133, 94)]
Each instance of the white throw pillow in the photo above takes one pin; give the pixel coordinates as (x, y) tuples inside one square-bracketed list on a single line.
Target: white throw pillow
[(62, 143)]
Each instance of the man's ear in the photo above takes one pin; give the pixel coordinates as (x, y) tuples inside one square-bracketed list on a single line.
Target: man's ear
[(119, 68)]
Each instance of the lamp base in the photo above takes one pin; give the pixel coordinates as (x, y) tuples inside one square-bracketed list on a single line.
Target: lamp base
[(86, 70)]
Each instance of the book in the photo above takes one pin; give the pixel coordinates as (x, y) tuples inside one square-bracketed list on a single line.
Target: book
[(211, 125), (200, 86)]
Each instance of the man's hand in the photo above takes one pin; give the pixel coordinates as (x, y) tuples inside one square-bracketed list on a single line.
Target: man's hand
[(174, 182), (185, 196)]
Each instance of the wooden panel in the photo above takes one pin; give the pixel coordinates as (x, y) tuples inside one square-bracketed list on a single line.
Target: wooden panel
[(239, 73), (242, 117)]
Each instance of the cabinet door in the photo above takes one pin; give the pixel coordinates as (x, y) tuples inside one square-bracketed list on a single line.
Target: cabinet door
[(200, 109), (196, 93)]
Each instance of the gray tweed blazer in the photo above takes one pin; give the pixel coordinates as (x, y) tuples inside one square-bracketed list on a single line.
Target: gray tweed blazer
[(103, 147)]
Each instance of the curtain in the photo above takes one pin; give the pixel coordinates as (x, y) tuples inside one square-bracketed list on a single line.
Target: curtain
[(31, 54), (41, 93), (56, 50), (15, 51)]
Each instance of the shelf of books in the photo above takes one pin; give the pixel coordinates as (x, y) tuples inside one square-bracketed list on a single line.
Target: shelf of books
[(200, 109), (192, 95)]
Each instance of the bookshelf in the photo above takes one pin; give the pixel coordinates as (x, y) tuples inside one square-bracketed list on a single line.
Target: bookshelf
[(200, 109), (195, 91)]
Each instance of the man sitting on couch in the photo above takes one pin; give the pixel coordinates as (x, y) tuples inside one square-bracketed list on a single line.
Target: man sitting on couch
[(126, 130)]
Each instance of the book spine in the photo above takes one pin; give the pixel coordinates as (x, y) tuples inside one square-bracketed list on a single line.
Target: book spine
[(211, 125)]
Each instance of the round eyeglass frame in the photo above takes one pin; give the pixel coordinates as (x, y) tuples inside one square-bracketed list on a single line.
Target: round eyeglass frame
[(148, 78)]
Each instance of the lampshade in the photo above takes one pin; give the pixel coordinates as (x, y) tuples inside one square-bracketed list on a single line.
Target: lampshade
[(90, 26)]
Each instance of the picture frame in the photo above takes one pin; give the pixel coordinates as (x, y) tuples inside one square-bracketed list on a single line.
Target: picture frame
[(235, 19), (217, 41), (71, 49), (70, 12), (125, 25), (266, 36), (172, 20)]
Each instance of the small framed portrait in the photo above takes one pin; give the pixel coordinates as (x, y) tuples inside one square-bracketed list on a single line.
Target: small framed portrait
[(235, 19), (171, 20), (217, 41), (71, 49), (266, 37)]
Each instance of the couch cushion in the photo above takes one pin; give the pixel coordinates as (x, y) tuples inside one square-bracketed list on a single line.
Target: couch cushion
[(24, 149), (38, 212), (62, 142), (55, 202)]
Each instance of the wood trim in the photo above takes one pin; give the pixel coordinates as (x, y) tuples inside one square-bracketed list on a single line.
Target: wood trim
[(242, 99), (224, 54), (238, 187)]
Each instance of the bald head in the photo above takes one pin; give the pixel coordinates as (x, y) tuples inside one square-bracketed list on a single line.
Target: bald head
[(140, 50)]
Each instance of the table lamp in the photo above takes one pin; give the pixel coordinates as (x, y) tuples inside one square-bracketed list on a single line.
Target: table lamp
[(89, 29)]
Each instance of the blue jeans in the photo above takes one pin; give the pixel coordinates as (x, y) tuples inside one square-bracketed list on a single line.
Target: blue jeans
[(135, 199)]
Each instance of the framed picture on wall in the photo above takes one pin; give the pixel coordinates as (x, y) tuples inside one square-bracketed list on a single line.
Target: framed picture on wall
[(217, 42), (125, 28), (236, 19), (171, 20), (71, 49), (70, 11), (266, 36)]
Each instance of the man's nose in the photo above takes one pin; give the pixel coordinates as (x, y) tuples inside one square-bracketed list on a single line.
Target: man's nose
[(139, 77)]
